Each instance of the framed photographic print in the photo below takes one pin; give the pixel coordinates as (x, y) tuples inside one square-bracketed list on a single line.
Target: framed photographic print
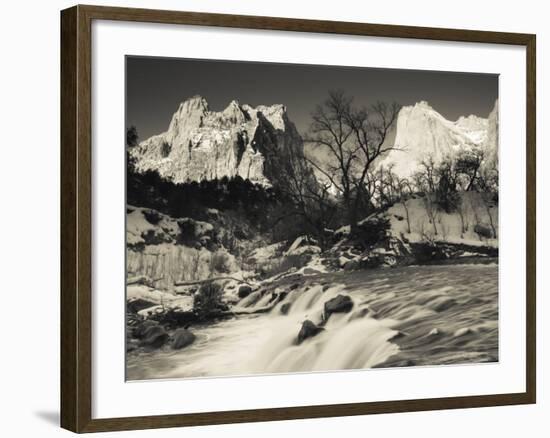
[(268, 218)]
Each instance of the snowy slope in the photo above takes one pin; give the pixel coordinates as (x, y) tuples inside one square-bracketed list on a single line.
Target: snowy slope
[(459, 227)]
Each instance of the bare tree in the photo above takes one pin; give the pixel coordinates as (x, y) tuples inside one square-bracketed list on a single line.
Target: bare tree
[(431, 210), (447, 196), (487, 199), (387, 186), (488, 179), (468, 165), (462, 211), (311, 199), (426, 178), (391, 189), (405, 191), (354, 138)]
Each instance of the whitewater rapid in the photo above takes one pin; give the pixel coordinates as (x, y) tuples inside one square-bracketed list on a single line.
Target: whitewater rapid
[(399, 317)]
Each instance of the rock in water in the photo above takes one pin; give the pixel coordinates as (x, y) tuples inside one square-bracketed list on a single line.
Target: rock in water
[(308, 330), (463, 332), (339, 304), (351, 265), (182, 338), (137, 304), (154, 337), (131, 345), (285, 308), (139, 331), (244, 291), (434, 332), (397, 335)]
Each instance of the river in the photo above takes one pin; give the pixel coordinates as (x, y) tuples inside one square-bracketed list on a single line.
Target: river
[(406, 316)]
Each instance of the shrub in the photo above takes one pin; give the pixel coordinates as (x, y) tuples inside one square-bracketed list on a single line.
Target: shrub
[(220, 262), (446, 194), (447, 200), (152, 216), (209, 299), (483, 231), (187, 234), (372, 231), (166, 148), (425, 252), (244, 291), (150, 237)]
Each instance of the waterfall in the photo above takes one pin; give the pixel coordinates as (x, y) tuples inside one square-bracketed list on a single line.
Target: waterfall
[(266, 343), (346, 342)]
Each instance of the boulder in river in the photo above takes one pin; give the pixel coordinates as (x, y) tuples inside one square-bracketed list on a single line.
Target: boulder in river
[(351, 265), (285, 308), (154, 337), (139, 330), (244, 291), (372, 261), (136, 304), (308, 330), (397, 335), (175, 317), (338, 304), (182, 338), (463, 332), (434, 332), (131, 345)]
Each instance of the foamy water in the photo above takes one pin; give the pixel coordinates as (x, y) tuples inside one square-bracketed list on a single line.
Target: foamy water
[(424, 315)]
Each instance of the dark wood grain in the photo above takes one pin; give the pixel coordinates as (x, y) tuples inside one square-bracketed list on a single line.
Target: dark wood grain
[(531, 219), (76, 222), (69, 308), (298, 25)]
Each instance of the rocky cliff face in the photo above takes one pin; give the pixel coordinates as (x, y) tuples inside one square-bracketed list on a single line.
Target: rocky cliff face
[(491, 141), (421, 132), (166, 250), (199, 144)]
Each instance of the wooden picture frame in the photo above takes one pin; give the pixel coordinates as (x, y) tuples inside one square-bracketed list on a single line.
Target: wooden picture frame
[(76, 218)]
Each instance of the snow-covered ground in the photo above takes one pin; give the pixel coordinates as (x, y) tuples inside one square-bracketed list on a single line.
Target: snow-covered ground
[(160, 299), (458, 227)]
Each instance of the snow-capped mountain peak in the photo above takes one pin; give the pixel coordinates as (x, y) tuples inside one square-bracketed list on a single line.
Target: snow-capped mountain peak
[(422, 132), (203, 144)]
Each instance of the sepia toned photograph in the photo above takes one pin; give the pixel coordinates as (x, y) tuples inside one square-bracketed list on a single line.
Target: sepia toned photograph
[(288, 218)]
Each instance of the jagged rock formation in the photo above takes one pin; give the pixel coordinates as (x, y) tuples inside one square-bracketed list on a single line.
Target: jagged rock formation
[(254, 143), (421, 132)]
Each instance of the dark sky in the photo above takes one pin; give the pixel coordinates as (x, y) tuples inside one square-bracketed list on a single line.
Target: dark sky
[(156, 86)]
